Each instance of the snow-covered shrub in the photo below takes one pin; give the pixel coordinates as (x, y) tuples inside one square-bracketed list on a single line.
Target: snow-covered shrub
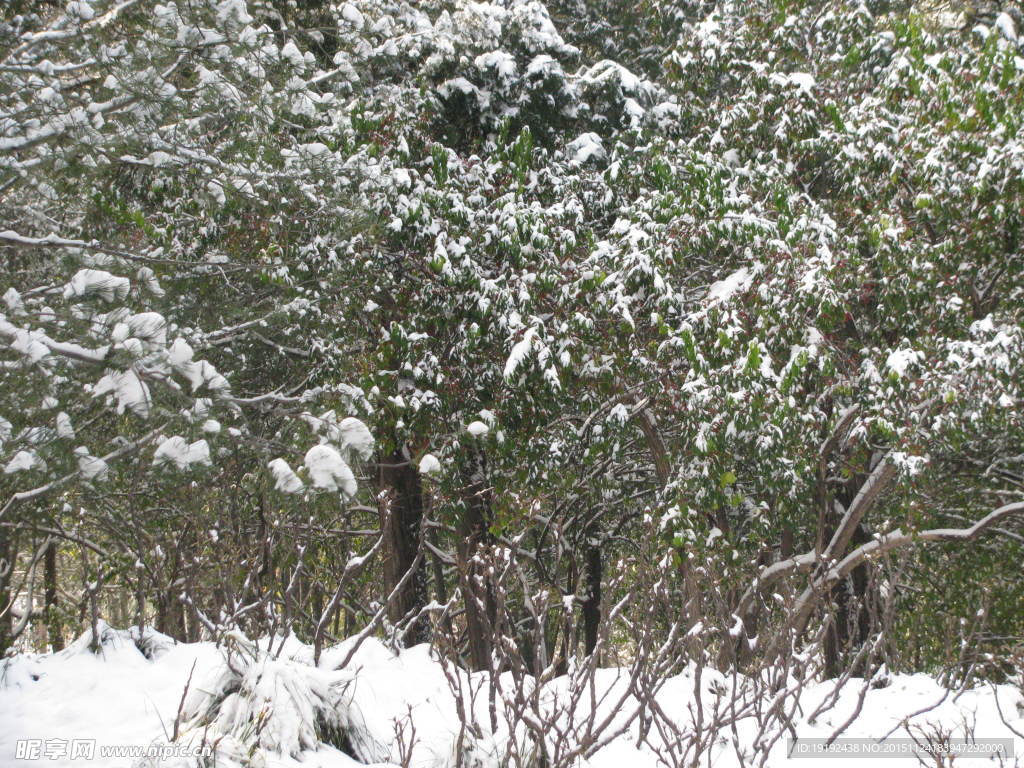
[(257, 700)]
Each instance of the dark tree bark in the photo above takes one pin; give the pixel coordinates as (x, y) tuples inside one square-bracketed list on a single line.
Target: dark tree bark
[(170, 615), (474, 536), (401, 519), (54, 626), (851, 623), (6, 572), (591, 604)]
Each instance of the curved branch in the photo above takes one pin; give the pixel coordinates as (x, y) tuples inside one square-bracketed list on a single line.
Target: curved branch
[(807, 601), (842, 569)]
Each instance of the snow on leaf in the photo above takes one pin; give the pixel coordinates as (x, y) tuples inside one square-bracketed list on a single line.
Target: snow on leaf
[(520, 352), (293, 702), (723, 289), (180, 353), (1004, 23), (429, 464), (285, 480), (910, 464), (900, 360), (97, 282), (128, 389), (355, 437), (352, 15), (65, 429), (28, 343), (24, 461), (291, 53), (148, 279), (13, 300), (501, 62), (327, 470), (802, 81), (90, 467), (211, 378), (586, 147), (150, 326), (182, 454)]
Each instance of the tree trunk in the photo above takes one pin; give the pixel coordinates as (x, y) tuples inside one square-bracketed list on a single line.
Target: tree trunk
[(850, 620), (170, 616), (401, 519), (54, 626), (591, 604), (851, 625), (475, 535), (6, 574)]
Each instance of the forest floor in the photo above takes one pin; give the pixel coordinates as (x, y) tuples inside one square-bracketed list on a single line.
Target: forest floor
[(118, 707)]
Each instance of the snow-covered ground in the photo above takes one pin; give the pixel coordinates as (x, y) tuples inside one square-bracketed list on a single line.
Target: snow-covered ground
[(278, 709)]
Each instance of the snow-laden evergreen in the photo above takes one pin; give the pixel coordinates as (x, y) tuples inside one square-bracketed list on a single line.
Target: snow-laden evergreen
[(564, 336)]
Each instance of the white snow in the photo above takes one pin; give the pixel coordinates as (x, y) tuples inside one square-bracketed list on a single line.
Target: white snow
[(182, 454), (429, 464), (65, 429), (738, 281), (80, 8), (13, 300), (802, 81), (900, 360), (909, 463), (607, 69), (129, 693), (351, 436), (180, 353), (89, 282), (149, 326), (352, 15), (327, 470), (478, 429), (149, 280), (291, 53), (520, 351), (24, 461), (355, 436), (585, 147), (1004, 23), (128, 389), (28, 343), (285, 480), (198, 373), (503, 63), (90, 467)]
